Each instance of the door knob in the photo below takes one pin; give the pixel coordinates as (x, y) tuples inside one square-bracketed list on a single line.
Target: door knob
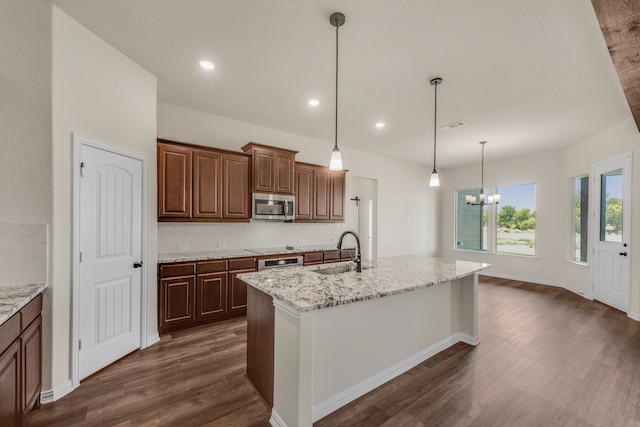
[(139, 264), (623, 253)]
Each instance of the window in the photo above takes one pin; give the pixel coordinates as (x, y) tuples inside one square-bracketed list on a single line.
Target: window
[(471, 223), (580, 219), (611, 207), (516, 220)]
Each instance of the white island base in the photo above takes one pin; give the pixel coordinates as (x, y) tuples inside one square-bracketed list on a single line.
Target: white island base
[(324, 359)]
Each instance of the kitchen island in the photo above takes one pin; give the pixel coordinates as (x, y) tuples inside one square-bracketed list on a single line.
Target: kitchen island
[(315, 341)]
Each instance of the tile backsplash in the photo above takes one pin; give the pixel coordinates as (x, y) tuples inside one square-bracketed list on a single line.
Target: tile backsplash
[(195, 237), (23, 254)]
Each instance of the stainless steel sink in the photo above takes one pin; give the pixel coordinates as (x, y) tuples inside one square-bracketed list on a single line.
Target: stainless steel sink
[(336, 270)]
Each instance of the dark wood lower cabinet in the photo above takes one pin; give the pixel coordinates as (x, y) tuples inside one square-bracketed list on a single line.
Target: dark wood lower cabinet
[(211, 295), (195, 293), (21, 363)]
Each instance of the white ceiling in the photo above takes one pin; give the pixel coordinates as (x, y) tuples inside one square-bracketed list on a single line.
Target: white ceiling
[(526, 76)]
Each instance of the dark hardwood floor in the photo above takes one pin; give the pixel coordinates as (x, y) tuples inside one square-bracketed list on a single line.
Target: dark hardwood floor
[(547, 357)]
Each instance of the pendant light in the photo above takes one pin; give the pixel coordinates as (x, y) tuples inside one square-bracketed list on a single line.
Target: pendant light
[(482, 199), (435, 181), (337, 20)]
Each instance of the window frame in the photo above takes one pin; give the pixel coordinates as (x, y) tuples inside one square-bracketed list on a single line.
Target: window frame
[(572, 239), (495, 221), (486, 250)]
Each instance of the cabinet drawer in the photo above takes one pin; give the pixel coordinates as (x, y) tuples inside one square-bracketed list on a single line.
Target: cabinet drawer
[(9, 332), (331, 256), (31, 311), (212, 266), (242, 264), (174, 270), (313, 257)]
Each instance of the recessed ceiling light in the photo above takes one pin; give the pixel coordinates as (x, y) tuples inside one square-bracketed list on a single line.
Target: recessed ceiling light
[(314, 102), (207, 65), (380, 125)]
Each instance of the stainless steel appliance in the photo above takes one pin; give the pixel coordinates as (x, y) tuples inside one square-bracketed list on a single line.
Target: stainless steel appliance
[(273, 207), (284, 261)]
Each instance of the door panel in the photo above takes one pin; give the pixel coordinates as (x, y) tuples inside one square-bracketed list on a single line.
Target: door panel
[(110, 243), (611, 269)]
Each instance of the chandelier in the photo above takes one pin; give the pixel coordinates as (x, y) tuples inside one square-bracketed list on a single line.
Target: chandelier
[(482, 199)]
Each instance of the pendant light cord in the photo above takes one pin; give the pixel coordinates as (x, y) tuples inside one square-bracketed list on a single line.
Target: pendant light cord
[(336, 130), (435, 121), (482, 169)]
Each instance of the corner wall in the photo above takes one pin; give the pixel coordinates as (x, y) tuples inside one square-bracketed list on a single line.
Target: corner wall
[(99, 93)]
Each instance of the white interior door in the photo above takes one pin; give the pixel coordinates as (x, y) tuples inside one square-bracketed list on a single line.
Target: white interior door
[(110, 243), (611, 263)]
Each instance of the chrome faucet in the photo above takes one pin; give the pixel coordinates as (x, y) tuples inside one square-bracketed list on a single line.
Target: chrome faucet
[(358, 259)]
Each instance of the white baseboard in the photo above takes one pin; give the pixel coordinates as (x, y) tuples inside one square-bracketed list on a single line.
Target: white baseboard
[(468, 339), (634, 315), (275, 420), (539, 282), (50, 396), (151, 340), (328, 406)]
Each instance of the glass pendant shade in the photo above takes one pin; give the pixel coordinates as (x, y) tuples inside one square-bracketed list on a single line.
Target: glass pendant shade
[(434, 181), (336, 160)]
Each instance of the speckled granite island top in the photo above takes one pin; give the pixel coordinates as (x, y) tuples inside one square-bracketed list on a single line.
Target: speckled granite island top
[(305, 290), (13, 298)]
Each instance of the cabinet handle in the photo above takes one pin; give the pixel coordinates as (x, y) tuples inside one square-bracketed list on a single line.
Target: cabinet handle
[(623, 253), (137, 264)]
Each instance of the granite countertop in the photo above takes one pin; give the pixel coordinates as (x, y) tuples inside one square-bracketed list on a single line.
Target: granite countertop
[(305, 290), (238, 253), (13, 298)]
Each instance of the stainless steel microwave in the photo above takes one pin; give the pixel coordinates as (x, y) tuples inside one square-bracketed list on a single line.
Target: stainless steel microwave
[(273, 207)]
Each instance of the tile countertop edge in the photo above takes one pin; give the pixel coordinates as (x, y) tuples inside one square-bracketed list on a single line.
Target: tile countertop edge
[(280, 295), (14, 298)]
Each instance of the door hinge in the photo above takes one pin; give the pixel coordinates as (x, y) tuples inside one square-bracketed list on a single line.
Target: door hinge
[(80, 256), (79, 344), (82, 169)]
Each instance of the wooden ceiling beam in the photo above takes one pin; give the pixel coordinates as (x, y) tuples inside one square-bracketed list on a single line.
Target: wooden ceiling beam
[(620, 24)]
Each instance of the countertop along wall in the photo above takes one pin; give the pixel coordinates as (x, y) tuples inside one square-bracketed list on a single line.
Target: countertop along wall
[(407, 209)]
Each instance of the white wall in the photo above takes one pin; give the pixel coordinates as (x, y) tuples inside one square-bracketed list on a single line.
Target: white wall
[(407, 207), (552, 173), (25, 137), (99, 93)]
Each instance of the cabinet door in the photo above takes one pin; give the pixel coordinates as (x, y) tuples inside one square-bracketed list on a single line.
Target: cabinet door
[(337, 196), (31, 341), (304, 192), (174, 181), (264, 171), (236, 187), (10, 385), (238, 292), (321, 194), (207, 184), (177, 300), (284, 173), (211, 295)]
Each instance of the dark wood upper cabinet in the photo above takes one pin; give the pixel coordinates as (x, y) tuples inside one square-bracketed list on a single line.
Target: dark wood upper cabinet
[(337, 195), (202, 184), (237, 204), (304, 192), (319, 193), (273, 168), (174, 181), (207, 184)]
